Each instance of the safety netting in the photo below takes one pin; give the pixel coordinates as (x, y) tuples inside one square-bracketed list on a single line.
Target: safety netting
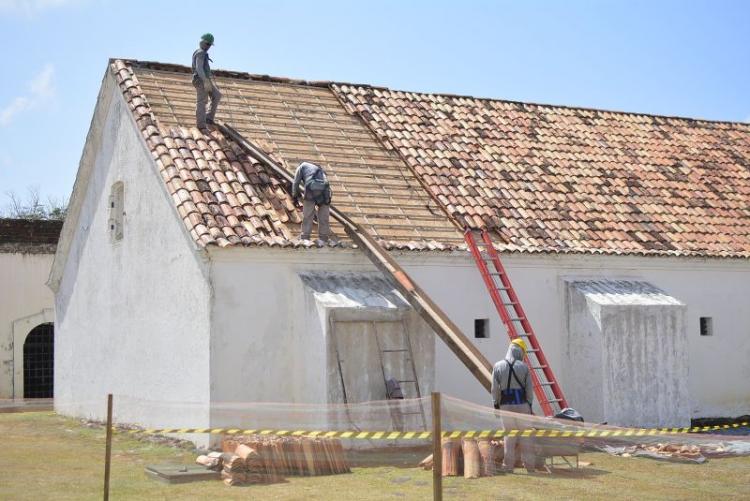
[(248, 443)]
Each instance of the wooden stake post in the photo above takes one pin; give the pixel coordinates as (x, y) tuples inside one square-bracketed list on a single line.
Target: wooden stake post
[(108, 452), (437, 450)]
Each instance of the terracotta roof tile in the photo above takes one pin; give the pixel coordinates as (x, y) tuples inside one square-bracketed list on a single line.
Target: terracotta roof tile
[(544, 178), (227, 198), (621, 183)]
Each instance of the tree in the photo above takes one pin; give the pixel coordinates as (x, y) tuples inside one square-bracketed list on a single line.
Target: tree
[(33, 208)]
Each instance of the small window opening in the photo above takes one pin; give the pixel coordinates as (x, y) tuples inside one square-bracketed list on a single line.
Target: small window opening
[(116, 210), (707, 326), (481, 328)]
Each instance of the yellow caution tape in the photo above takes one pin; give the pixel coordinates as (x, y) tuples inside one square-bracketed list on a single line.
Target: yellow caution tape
[(421, 435)]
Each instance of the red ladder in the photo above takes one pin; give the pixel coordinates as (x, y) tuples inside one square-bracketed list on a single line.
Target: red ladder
[(511, 312)]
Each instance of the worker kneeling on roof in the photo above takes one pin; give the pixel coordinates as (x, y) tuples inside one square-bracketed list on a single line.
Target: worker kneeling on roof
[(317, 195), (512, 391)]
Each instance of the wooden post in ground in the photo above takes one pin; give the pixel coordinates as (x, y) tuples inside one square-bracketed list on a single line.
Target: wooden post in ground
[(437, 450), (108, 453)]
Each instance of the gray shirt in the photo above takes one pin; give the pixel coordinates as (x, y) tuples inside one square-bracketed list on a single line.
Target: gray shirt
[(305, 172), (201, 67), (501, 371)]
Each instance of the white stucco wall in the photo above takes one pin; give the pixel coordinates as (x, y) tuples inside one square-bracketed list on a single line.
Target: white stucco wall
[(133, 314), (716, 288), (304, 314), (25, 302), (151, 317)]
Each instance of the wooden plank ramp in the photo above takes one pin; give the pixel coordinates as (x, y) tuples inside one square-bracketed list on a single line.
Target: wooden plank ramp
[(451, 335)]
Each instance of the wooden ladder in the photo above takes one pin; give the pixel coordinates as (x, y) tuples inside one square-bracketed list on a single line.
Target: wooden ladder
[(403, 350)]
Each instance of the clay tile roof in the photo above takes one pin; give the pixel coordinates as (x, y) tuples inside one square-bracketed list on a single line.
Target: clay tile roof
[(29, 235), (556, 179), (413, 168), (226, 198)]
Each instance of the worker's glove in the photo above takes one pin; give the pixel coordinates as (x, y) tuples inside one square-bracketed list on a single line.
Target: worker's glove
[(295, 198)]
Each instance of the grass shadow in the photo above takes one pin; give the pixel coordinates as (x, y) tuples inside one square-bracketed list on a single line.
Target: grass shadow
[(582, 472)]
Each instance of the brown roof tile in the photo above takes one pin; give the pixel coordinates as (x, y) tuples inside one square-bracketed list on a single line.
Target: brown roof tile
[(544, 178), (227, 198), (621, 183)]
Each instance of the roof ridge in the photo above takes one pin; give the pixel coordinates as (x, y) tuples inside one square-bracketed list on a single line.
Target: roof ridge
[(549, 105), (179, 68)]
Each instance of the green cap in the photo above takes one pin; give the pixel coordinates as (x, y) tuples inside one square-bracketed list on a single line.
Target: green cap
[(208, 38)]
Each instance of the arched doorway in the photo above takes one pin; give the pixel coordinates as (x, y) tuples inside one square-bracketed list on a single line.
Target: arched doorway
[(38, 362)]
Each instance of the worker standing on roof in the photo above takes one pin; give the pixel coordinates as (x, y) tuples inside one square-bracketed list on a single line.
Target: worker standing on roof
[(317, 195), (512, 392), (204, 84)]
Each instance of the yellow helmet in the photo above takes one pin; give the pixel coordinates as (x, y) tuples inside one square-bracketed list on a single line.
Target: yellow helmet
[(520, 343)]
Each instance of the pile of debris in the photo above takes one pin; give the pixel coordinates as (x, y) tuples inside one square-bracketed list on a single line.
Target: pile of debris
[(469, 457), (675, 452), (257, 459)]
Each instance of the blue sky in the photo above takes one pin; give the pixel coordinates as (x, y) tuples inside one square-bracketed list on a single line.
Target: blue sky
[(684, 58)]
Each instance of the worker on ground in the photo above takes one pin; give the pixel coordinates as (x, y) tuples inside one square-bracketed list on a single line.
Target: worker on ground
[(512, 392), (317, 195), (205, 86)]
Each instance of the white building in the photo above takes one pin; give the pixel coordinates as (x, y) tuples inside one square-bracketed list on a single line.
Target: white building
[(27, 314), (178, 277)]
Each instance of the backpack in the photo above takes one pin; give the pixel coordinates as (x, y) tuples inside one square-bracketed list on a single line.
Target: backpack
[(319, 189)]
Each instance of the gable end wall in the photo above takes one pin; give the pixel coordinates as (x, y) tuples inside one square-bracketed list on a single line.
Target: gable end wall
[(132, 315)]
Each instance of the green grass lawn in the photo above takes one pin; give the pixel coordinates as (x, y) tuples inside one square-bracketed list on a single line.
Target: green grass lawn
[(45, 456)]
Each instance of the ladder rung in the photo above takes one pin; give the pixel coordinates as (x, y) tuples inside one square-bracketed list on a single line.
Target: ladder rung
[(511, 312), (409, 413), (408, 381), (394, 351)]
